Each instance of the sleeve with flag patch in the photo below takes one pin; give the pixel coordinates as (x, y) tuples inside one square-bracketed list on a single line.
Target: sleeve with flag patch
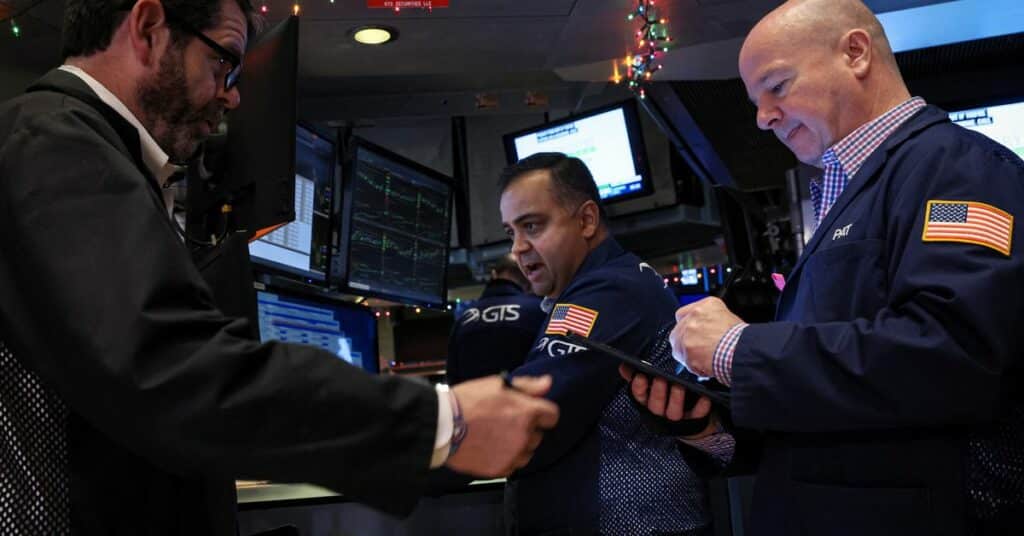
[(968, 222), (568, 318)]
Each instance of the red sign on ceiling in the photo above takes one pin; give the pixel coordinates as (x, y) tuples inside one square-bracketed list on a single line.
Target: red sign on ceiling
[(406, 4)]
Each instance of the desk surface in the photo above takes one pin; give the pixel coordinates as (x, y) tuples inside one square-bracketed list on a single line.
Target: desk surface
[(263, 491)]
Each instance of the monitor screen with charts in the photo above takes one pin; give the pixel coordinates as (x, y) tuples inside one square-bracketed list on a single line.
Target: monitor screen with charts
[(301, 248), (395, 225)]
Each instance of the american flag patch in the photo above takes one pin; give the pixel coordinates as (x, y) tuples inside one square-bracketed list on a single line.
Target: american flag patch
[(970, 222), (566, 317)]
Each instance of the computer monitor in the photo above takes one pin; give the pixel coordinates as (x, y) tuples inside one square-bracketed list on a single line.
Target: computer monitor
[(1003, 123), (251, 169), (302, 247), (687, 298), (394, 227), (419, 340), (608, 140), (688, 276), (346, 330)]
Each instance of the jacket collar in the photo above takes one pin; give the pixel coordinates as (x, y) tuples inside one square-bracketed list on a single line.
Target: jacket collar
[(65, 83), (599, 256), (928, 116)]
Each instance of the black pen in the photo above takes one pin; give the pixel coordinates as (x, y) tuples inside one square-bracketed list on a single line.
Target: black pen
[(506, 380)]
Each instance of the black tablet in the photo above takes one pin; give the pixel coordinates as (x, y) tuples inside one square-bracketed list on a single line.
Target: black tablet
[(717, 395)]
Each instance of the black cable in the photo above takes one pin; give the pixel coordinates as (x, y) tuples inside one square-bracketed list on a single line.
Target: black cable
[(196, 242)]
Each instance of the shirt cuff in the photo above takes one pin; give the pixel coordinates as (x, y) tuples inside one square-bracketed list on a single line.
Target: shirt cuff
[(445, 427), (721, 360), (720, 446)]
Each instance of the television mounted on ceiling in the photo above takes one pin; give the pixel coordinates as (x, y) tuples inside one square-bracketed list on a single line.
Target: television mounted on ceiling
[(608, 140)]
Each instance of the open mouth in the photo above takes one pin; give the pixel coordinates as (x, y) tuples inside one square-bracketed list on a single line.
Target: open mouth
[(530, 270)]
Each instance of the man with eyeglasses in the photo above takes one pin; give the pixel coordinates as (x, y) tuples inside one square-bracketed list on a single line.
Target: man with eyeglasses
[(128, 402)]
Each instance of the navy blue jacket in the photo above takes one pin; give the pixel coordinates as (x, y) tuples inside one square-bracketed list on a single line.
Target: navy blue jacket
[(495, 334), (889, 387), (602, 469)]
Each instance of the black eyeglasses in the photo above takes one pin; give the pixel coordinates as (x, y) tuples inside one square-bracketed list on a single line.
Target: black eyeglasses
[(226, 56)]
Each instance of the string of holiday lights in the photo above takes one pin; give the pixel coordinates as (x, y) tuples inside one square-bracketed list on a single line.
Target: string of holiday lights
[(652, 41), (395, 6), (14, 13)]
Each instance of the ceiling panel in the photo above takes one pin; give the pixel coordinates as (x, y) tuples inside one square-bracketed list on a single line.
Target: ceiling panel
[(357, 10), (438, 46)]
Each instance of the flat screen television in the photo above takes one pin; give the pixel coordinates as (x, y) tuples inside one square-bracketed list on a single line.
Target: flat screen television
[(302, 247), (1003, 123), (346, 330), (609, 140), (395, 222)]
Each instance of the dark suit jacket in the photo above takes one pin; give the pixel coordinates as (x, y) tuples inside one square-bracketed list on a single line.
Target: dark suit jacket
[(166, 399), (495, 333), (890, 387)]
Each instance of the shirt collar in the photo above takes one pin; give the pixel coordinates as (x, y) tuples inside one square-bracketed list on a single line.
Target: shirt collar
[(851, 151), (155, 159)]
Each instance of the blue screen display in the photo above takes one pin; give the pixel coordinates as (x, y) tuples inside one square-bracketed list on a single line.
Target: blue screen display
[(348, 332), (686, 299)]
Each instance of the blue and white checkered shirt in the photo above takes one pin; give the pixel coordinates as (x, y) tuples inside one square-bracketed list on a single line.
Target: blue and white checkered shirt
[(841, 163)]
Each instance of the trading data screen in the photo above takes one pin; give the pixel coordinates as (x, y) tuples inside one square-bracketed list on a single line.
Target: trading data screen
[(302, 246), (398, 227), (348, 332), (1003, 123)]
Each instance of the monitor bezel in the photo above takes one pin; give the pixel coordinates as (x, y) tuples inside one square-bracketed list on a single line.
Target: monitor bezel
[(342, 271), (309, 276), (330, 301), (634, 130)]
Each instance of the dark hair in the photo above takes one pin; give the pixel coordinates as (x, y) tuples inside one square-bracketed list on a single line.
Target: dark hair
[(572, 181), (506, 267), (89, 25)]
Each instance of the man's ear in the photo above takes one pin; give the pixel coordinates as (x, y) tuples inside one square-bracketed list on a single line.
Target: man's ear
[(856, 48), (590, 219), (148, 32)]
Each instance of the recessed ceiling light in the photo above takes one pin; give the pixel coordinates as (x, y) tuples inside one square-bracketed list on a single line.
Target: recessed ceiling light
[(374, 35)]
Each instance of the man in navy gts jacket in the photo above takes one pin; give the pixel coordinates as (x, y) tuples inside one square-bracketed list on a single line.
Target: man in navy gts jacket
[(602, 470)]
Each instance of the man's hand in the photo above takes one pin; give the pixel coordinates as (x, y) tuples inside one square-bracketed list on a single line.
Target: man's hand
[(699, 327), (666, 401), (503, 426)]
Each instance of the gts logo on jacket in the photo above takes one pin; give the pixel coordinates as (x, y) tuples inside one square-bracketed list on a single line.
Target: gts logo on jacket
[(492, 314), (557, 347)]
